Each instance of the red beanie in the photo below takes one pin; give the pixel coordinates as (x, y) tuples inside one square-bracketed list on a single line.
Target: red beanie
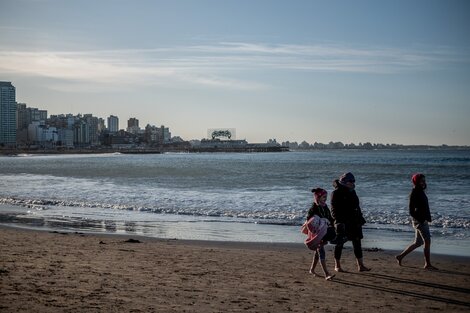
[(416, 178), (318, 193)]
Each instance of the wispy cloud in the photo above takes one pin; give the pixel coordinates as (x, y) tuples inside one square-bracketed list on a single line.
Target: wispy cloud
[(119, 67), (223, 65)]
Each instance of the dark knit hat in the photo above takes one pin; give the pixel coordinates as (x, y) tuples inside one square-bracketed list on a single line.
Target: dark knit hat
[(346, 178)]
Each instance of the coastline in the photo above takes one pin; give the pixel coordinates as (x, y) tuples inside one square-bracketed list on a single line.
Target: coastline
[(168, 227), (252, 148), (77, 272)]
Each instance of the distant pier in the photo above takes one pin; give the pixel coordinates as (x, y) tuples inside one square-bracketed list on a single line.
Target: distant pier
[(239, 149)]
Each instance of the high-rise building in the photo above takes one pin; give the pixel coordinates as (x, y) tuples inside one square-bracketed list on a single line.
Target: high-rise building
[(7, 114), (93, 123), (28, 115), (156, 135), (81, 135), (132, 122), (21, 116), (66, 121), (25, 117), (101, 126), (113, 124), (133, 125)]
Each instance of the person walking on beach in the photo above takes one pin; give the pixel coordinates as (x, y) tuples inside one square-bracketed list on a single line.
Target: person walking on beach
[(320, 209), (348, 217), (421, 216)]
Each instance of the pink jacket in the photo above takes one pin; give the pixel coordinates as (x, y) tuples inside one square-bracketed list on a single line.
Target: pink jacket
[(315, 229)]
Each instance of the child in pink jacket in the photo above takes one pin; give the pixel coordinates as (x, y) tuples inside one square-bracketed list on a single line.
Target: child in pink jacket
[(318, 230)]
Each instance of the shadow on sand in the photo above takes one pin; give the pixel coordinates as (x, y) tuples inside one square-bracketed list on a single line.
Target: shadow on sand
[(402, 292)]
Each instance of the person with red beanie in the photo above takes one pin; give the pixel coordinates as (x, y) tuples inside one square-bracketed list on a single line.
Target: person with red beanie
[(320, 209), (421, 216)]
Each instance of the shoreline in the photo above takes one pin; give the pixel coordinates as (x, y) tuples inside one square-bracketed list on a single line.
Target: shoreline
[(250, 148), (78, 272), (176, 227), (251, 245)]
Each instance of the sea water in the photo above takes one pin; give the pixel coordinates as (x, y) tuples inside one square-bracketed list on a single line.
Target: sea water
[(234, 196)]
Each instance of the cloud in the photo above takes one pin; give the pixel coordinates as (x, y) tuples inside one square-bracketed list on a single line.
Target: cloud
[(118, 67), (223, 65), (332, 57)]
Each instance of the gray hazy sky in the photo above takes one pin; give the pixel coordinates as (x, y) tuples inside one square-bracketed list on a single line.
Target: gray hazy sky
[(351, 71)]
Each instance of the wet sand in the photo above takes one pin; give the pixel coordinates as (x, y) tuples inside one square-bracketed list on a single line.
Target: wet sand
[(73, 272)]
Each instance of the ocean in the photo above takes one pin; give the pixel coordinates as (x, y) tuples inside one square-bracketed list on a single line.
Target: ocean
[(259, 197)]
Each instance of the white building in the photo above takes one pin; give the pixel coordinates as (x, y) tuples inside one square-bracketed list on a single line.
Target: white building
[(39, 133), (113, 124)]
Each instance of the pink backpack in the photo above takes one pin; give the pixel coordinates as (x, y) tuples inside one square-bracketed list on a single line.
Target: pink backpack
[(315, 229)]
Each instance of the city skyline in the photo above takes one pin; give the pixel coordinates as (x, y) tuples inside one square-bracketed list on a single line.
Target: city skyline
[(133, 127), (368, 71)]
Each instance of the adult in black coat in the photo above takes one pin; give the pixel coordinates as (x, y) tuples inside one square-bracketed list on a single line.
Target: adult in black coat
[(421, 216), (348, 217)]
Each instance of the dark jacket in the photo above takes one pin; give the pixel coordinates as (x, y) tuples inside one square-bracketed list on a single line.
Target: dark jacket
[(345, 209), (419, 206), (315, 209)]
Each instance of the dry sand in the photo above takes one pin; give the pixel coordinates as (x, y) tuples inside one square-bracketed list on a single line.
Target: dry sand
[(58, 272)]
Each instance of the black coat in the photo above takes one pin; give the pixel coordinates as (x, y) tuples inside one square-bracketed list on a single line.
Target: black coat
[(345, 209), (324, 212), (419, 206)]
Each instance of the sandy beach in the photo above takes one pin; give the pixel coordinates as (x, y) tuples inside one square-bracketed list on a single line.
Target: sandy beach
[(74, 272)]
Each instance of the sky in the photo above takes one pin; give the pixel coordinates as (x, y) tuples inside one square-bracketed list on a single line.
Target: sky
[(351, 71)]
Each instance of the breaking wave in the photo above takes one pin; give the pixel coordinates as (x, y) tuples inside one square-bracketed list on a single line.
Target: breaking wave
[(273, 216)]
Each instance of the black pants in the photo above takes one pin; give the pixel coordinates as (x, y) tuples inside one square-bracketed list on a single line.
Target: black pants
[(356, 246), (330, 234)]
